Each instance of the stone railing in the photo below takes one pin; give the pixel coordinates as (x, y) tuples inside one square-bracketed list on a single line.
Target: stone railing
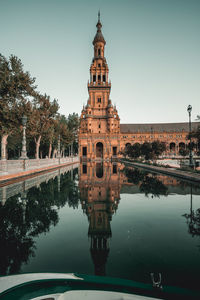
[(14, 166)]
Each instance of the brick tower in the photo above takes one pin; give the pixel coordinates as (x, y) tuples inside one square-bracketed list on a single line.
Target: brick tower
[(99, 132)]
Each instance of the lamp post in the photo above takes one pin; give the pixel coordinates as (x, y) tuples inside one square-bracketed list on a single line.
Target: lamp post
[(24, 153), (58, 155), (189, 109)]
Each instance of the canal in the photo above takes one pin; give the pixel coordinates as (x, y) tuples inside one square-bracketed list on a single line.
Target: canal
[(104, 219)]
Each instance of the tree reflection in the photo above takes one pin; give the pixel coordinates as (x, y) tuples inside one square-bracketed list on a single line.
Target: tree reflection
[(16, 247), (152, 185), (148, 183), (193, 219), (24, 216)]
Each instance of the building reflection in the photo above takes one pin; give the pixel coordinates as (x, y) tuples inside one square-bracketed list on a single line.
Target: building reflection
[(99, 185)]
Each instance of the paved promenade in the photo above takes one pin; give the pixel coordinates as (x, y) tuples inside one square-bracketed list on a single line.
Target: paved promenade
[(12, 175), (185, 175)]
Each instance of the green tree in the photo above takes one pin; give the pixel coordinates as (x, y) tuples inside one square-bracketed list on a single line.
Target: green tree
[(73, 122), (147, 151), (196, 135), (43, 112), (134, 151), (158, 148), (183, 152), (16, 89)]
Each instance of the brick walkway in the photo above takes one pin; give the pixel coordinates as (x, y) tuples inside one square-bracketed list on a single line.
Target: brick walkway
[(10, 177), (187, 175)]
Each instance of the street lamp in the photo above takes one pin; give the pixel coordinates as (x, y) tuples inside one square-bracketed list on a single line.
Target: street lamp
[(23, 153), (58, 154), (189, 109)]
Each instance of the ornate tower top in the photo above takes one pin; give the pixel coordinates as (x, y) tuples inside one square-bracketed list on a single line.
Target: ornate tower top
[(99, 36)]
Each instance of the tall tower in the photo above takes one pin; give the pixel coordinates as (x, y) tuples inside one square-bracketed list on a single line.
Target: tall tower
[(99, 133)]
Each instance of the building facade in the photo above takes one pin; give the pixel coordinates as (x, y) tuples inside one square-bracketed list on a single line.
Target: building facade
[(101, 136)]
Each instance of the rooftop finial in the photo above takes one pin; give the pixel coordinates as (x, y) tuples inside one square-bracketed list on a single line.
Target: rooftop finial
[(99, 15)]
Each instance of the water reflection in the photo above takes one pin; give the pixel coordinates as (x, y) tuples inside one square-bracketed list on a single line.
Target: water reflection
[(31, 212), (148, 183), (145, 229), (99, 186), (193, 218)]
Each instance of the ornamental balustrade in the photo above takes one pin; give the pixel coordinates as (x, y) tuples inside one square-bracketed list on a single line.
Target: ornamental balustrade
[(15, 166)]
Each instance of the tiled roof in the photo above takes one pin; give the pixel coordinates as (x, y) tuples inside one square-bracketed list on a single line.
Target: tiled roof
[(157, 127)]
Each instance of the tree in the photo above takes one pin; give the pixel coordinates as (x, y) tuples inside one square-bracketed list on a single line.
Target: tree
[(66, 133), (147, 151), (158, 148), (73, 122), (183, 152), (16, 89), (134, 151), (196, 135), (43, 113)]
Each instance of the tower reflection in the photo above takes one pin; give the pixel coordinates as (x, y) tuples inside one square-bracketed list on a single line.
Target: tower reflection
[(100, 194)]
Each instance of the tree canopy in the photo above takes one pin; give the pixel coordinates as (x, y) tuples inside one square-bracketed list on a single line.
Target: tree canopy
[(146, 150), (19, 96)]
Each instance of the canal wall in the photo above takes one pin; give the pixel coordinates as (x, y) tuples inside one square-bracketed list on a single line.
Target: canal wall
[(15, 188), (184, 175), (12, 169)]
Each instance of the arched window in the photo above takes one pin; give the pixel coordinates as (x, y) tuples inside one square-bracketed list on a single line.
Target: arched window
[(99, 52)]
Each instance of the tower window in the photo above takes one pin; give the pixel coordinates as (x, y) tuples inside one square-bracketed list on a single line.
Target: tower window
[(99, 65), (114, 169), (99, 125), (99, 52), (84, 151), (104, 78), (84, 169), (114, 151), (94, 78), (99, 100), (99, 77)]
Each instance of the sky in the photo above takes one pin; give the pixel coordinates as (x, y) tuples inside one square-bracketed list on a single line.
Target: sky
[(152, 50)]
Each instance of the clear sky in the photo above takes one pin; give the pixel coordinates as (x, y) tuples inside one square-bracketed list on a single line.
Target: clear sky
[(152, 50)]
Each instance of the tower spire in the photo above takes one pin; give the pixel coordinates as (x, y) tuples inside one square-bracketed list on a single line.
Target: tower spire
[(99, 36)]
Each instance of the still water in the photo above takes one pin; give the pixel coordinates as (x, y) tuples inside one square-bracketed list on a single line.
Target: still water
[(105, 220)]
